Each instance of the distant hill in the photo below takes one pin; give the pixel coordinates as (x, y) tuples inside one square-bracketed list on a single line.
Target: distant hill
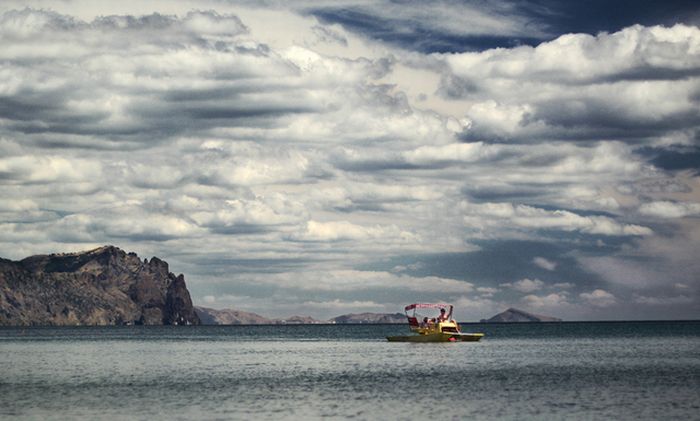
[(104, 286), (370, 318), (299, 320), (210, 316), (513, 315)]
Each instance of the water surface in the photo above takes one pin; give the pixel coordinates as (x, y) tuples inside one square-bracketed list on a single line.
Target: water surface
[(630, 370)]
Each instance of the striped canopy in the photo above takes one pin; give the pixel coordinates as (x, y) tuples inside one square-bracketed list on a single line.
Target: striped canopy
[(427, 305)]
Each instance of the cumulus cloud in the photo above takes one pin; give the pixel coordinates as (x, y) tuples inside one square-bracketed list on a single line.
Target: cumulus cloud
[(525, 285), (667, 209), (598, 298), (626, 85), (544, 263), (550, 301), (312, 149), (345, 231), (500, 215)]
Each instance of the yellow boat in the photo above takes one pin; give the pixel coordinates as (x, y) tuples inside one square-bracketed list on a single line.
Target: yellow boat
[(437, 329)]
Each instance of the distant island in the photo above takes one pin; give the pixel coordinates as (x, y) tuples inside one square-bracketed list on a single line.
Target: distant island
[(104, 286), (513, 315), (210, 316)]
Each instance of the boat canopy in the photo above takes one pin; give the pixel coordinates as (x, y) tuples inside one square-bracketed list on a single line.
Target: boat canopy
[(427, 305)]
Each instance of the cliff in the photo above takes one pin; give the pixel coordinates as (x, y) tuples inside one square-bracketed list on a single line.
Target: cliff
[(370, 318), (513, 315), (105, 286)]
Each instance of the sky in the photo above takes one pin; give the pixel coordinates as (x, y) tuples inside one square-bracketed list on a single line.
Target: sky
[(330, 157)]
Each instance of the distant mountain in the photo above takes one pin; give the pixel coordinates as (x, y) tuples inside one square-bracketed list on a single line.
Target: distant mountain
[(104, 286), (370, 318), (210, 316), (299, 320), (513, 315)]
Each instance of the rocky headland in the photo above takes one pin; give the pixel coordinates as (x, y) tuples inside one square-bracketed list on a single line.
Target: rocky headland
[(104, 286)]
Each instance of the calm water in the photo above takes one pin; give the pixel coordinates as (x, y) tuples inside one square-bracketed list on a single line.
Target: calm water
[(533, 371)]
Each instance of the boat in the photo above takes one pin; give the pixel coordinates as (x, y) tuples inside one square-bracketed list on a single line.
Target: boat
[(440, 328)]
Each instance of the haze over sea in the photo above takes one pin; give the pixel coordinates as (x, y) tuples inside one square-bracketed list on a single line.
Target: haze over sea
[(592, 370)]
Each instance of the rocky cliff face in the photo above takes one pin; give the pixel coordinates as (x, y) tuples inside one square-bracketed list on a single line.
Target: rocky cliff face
[(513, 315), (105, 286)]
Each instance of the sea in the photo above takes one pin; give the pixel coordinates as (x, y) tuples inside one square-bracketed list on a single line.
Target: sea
[(542, 371)]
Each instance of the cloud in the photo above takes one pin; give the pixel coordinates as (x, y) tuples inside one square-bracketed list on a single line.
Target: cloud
[(347, 231), (663, 301), (487, 291), (30, 169), (667, 209), (502, 215), (550, 301), (437, 27), (525, 285), (544, 263), (355, 280), (319, 158), (598, 298), (622, 85)]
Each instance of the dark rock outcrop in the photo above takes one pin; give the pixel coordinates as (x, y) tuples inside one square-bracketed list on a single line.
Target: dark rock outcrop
[(105, 286), (370, 318), (513, 315)]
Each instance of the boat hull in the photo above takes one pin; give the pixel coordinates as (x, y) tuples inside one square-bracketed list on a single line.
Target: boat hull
[(438, 337)]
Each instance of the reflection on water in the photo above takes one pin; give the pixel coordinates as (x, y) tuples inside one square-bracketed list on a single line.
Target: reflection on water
[(568, 370)]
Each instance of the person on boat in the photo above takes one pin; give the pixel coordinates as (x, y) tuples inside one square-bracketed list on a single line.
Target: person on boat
[(425, 322), (442, 317)]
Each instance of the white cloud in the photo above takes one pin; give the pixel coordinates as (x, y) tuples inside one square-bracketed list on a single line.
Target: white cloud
[(487, 291), (598, 298), (663, 301), (550, 301), (304, 149), (666, 209), (499, 215), (525, 285), (544, 263), (345, 231)]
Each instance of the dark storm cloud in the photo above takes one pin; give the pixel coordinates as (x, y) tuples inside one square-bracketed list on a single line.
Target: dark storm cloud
[(688, 159), (534, 21)]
